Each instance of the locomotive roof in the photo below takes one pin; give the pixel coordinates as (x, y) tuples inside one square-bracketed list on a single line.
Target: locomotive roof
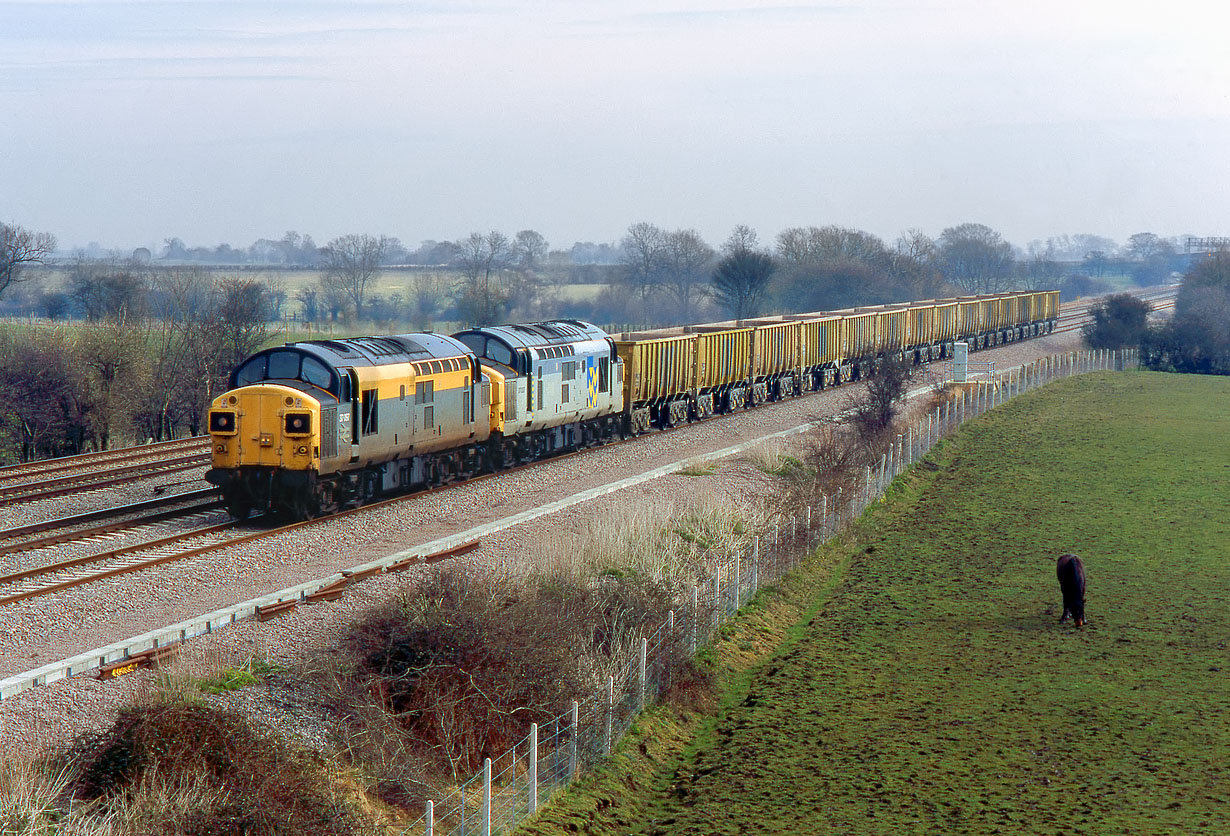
[(383, 350), (538, 334)]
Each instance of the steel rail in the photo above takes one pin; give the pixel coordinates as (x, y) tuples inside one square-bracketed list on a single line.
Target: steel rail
[(100, 457), (105, 513), (108, 528), (30, 491)]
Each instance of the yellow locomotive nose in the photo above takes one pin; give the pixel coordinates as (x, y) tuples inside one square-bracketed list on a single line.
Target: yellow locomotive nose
[(265, 426)]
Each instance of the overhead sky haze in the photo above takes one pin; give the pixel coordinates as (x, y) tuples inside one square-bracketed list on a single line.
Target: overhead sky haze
[(126, 123)]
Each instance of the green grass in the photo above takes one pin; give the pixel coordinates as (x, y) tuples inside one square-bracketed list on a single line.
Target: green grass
[(703, 468), (933, 690), (232, 679)]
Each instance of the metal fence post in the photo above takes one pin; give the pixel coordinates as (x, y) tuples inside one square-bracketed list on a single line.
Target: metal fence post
[(533, 776), (486, 822), (738, 581), (608, 722), (717, 597), (640, 672), (824, 515), (575, 719), (755, 574), (429, 819), (695, 619)]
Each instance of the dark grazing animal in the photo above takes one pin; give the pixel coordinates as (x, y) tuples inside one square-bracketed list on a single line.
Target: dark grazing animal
[(1071, 576)]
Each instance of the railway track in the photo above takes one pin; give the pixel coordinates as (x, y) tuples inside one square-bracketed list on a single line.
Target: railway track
[(1077, 313), (66, 574), (29, 471), (85, 526), (43, 487)]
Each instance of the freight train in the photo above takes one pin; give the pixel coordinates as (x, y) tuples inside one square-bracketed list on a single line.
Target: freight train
[(313, 427)]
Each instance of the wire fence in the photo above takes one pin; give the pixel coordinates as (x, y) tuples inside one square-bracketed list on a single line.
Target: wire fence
[(513, 785)]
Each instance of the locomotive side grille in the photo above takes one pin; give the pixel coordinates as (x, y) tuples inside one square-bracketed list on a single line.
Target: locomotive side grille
[(510, 401), (328, 432)]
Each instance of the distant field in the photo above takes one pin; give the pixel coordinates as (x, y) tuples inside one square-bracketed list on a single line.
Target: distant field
[(933, 690), (391, 280)]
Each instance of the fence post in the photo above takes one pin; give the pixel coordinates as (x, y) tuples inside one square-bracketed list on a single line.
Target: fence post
[(807, 524), (429, 819), (572, 742), (608, 722), (486, 823), (640, 671), (738, 581), (717, 597), (696, 617), (755, 574), (533, 776), (837, 511), (824, 515)]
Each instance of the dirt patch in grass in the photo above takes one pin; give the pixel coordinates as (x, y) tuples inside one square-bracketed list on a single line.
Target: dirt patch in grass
[(935, 692)]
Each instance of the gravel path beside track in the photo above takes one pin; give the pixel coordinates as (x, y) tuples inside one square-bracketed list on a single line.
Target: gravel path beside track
[(43, 630)]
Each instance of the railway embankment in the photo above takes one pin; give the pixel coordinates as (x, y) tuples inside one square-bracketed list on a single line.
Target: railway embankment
[(914, 676)]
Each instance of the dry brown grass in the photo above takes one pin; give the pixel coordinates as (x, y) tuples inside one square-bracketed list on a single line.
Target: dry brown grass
[(175, 766)]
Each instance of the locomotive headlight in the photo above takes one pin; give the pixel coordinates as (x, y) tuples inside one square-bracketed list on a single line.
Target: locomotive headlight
[(222, 421), (301, 449), (221, 448), (298, 423)]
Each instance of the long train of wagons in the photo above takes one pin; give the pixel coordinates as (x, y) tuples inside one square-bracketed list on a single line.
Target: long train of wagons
[(313, 427)]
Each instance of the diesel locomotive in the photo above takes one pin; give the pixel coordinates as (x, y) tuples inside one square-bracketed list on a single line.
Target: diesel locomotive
[(313, 427)]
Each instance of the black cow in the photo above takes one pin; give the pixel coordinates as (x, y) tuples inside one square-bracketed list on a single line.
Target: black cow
[(1071, 576)]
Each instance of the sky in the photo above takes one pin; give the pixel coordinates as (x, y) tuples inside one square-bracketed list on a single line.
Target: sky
[(126, 123)]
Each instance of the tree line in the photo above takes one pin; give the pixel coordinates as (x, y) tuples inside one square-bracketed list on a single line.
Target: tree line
[(651, 276), (1196, 340), (145, 366)]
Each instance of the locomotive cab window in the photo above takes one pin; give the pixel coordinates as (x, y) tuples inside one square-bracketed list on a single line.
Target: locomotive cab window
[(252, 371), (371, 408)]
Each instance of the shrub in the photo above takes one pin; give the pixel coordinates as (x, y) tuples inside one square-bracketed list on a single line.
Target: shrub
[(873, 411), (1118, 321), (180, 767), (465, 663)]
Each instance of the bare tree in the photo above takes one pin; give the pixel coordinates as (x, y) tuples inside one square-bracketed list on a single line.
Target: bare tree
[(976, 258), (480, 299), (428, 292), (350, 264), (741, 278), (815, 245), (18, 248), (529, 251), (643, 254), (686, 265), (240, 321)]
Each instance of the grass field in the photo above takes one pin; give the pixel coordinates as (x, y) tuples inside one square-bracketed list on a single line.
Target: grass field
[(928, 688)]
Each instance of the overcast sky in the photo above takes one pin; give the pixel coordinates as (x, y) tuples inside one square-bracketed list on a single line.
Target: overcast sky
[(125, 123)]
